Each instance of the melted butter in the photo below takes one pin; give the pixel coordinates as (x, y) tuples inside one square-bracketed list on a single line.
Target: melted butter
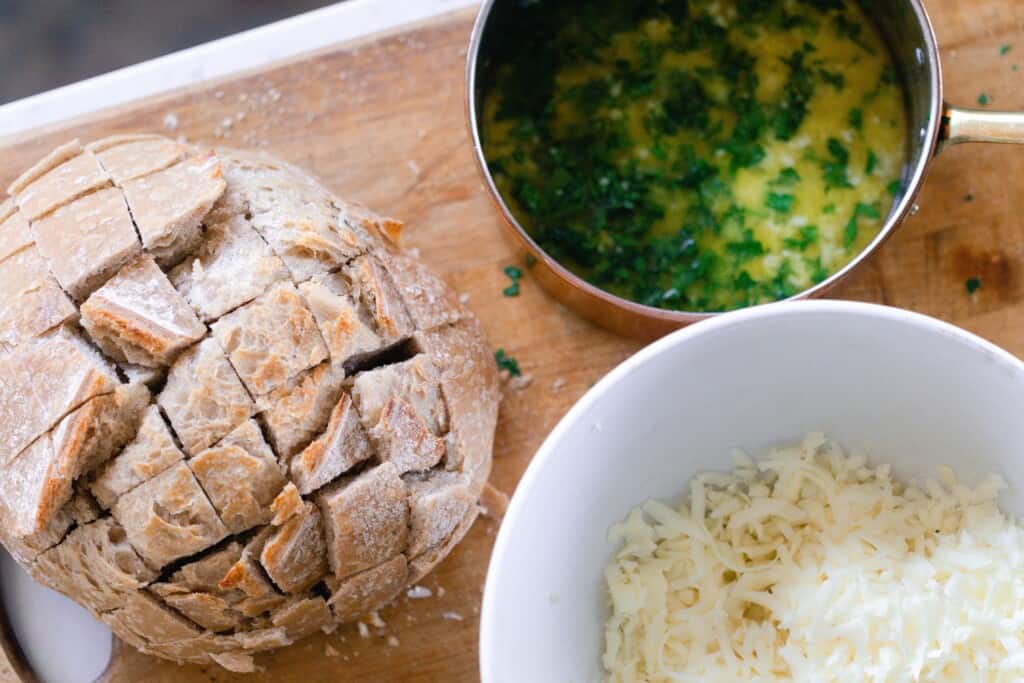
[(854, 56)]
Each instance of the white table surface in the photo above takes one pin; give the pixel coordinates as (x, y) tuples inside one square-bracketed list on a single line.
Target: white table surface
[(62, 642)]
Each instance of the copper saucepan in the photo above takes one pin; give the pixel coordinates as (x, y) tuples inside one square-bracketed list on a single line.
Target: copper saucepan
[(933, 124)]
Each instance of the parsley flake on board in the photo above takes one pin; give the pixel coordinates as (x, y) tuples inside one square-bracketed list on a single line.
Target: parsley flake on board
[(984, 99), (973, 284), (1005, 49), (514, 274), (506, 362)]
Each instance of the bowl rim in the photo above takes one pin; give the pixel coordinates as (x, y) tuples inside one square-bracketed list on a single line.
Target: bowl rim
[(488, 643)]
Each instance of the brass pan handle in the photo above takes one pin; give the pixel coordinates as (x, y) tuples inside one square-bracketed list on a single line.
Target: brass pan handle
[(980, 125)]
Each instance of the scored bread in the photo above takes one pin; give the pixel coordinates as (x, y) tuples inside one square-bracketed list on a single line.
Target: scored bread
[(232, 412)]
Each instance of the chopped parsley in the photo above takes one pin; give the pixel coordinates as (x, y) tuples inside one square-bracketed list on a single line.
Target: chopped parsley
[(807, 236), (852, 230), (872, 161), (894, 187), (972, 285), (983, 99), (514, 274), (795, 94), (969, 197), (856, 118), (1004, 49), (530, 260), (835, 168), (787, 177), (833, 78), (506, 362), (783, 203), (747, 248)]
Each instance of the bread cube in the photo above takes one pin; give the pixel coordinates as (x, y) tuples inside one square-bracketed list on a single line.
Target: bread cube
[(297, 411), (139, 318), (169, 206), (66, 173), (151, 452), (241, 477), (437, 503), (169, 517), (366, 518), (415, 381), (203, 397), (293, 556), (33, 302), (341, 446), (232, 267), (87, 241), (15, 233), (271, 339), (369, 590), (44, 379), (96, 566), (126, 157), (346, 327)]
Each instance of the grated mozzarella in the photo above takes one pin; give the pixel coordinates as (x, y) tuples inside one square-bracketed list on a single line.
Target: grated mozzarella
[(813, 566)]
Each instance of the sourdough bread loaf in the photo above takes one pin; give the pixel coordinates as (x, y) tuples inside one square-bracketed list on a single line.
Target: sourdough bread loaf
[(232, 412)]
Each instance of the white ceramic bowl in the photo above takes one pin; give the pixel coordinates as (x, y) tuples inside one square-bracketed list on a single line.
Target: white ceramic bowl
[(905, 388)]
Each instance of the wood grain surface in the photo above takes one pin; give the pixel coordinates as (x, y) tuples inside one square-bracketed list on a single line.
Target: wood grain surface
[(383, 123)]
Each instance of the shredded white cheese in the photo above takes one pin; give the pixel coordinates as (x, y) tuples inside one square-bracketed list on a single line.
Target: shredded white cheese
[(813, 566)]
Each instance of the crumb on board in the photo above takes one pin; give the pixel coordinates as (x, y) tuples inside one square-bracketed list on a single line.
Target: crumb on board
[(451, 616), (440, 591), (419, 592), (393, 642), (464, 298), (171, 121), (414, 168), (558, 384), (376, 621), (330, 651), (520, 382), (493, 502), (364, 630)]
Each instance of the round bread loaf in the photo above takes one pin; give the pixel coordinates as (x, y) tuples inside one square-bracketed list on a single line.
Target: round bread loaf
[(232, 412)]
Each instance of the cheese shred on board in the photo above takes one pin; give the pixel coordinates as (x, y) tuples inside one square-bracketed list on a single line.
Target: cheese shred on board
[(811, 565)]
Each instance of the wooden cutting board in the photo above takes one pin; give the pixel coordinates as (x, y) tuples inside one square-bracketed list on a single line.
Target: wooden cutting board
[(383, 122)]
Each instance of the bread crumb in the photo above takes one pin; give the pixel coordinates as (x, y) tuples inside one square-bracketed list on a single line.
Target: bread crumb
[(521, 382), (493, 502), (393, 642), (440, 591), (451, 616), (414, 252), (330, 651), (376, 621), (464, 298), (557, 384), (414, 167), (364, 630), (171, 121), (419, 592)]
